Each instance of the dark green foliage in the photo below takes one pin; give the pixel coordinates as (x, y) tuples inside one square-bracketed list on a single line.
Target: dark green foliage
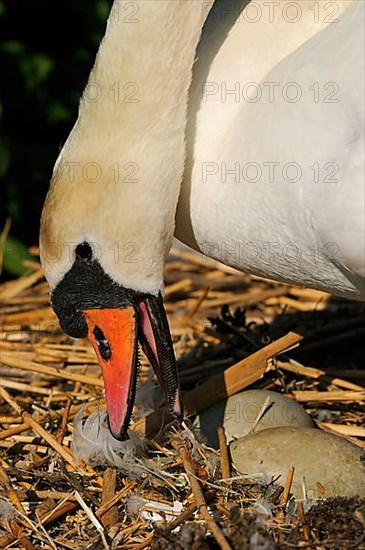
[(47, 51)]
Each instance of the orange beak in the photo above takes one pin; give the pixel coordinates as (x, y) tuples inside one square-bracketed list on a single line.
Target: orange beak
[(113, 335)]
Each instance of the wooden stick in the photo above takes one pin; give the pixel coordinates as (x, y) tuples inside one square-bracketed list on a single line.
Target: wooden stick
[(8, 419), (90, 407), (200, 501), (318, 373), (11, 493), (21, 386), (20, 284), (225, 465), (65, 416), (94, 520), (41, 495), (288, 483), (19, 535), (11, 361), (344, 429), (312, 395), (184, 516), (303, 522), (199, 302), (113, 501), (237, 377), (60, 510), (110, 517), (38, 428)]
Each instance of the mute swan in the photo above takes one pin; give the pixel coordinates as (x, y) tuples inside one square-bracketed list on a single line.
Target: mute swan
[(109, 216)]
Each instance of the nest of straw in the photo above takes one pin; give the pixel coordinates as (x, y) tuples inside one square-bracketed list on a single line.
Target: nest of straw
[(231, 331)]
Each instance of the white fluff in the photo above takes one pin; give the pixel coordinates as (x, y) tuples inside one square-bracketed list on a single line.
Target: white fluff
[(264, 507), (7, 510), (147, 396), (93, 443), (153, 511)]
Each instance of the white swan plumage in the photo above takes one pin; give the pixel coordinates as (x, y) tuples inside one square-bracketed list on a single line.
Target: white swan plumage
[(266, 181)]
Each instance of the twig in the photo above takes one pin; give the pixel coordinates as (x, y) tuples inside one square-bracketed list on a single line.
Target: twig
[(184, 516), (21, 284), (237, 377), (303, 522), (98, 526), (110, 516), (41, 527), (107, 505), (225, 465), (288, 483), (322, 396), (38, 428), (65, 416), (11, 361), (343, 429), (200, 501), (193, 310), (52, 415), (11, 493), (63, 507), (310, 372)]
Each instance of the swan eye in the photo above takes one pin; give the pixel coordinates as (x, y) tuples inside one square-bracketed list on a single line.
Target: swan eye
[(103, 344), (84, 251)]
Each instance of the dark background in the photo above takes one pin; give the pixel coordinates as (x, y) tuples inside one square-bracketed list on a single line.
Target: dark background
[(47, 51)]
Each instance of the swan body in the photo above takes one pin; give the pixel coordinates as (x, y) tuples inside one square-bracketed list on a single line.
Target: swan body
[(274, 186), (169, 134)]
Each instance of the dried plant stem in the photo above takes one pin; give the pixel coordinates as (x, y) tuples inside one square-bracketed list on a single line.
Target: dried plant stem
[(343, 429), (184, 516), (225, 465), (91, 407), (60, 510), (303, 522), (20, 284), (200, 501), (288, 483), (19, 535), (110, 516), (93, 519), (11, 361), (113, 501), (65, 416), (311, 372), (38, 428), (322, 396), (3, 236), (11, 494)]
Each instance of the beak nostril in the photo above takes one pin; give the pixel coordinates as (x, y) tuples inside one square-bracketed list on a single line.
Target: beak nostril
[(103, 344), (84, 251)]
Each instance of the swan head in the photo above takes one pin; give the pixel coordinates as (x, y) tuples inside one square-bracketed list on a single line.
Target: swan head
[(104, 264)]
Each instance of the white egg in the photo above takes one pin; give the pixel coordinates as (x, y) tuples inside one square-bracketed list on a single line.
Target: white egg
[(251, 410), (325, 464)]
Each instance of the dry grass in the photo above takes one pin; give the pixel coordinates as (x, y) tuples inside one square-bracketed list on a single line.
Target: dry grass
[(296, 341)]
